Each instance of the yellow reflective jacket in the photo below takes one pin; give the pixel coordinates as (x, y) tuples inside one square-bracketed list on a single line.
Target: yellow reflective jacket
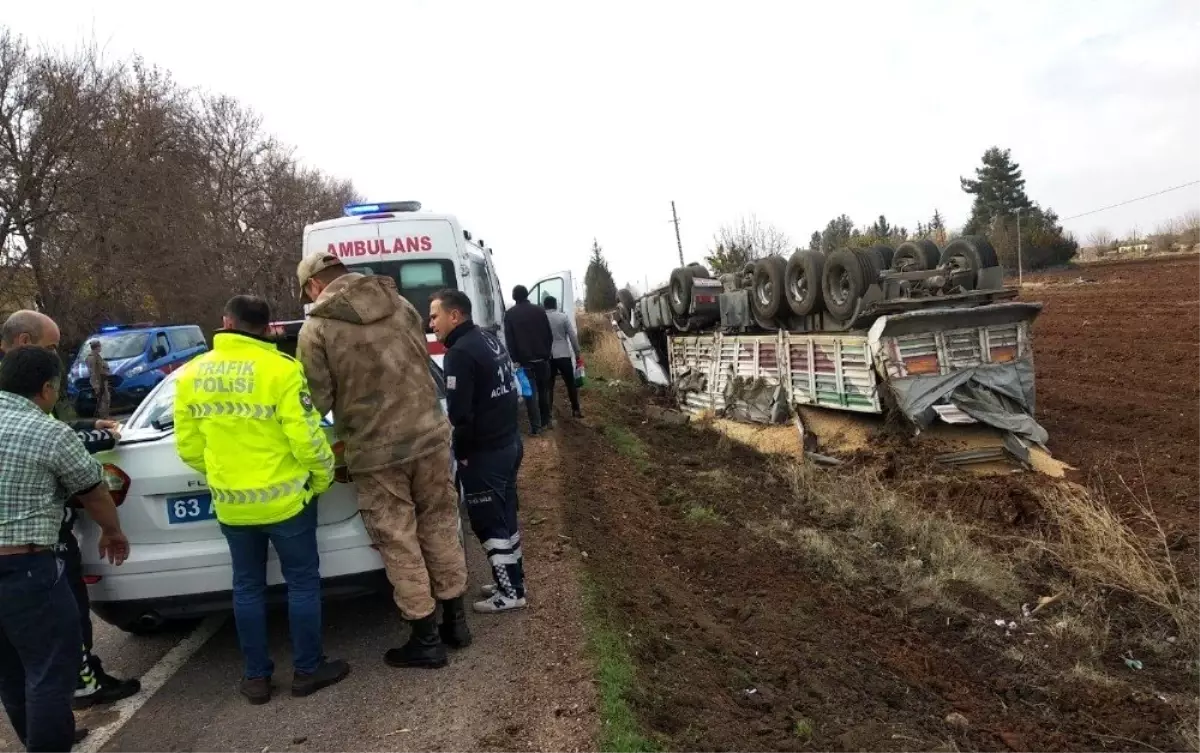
[(245, 419)]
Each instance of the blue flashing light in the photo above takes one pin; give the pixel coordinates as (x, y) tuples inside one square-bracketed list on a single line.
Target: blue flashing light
[(356, 210), (110, 329)]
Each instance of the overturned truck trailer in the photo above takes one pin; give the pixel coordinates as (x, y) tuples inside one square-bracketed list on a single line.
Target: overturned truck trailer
[(926, 332)]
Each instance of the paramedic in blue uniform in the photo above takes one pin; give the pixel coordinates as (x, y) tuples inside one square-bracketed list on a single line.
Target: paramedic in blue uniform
[(481, 397)]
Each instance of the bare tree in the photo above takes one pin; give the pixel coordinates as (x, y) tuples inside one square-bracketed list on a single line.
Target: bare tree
[(1189, 230), (124, 196), (757, 239), (1101, 239)]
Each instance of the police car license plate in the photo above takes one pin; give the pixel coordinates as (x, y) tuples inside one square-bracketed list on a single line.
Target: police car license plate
[(190, 509)]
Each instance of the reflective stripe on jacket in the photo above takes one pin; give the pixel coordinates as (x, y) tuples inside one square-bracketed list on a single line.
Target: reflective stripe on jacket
[(245, 419)]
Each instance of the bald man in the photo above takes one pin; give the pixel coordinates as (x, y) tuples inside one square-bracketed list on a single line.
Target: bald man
[(95, 686)]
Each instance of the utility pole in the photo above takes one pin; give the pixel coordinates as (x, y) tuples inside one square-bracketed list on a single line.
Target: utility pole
[(1020, 267), (679, 243)]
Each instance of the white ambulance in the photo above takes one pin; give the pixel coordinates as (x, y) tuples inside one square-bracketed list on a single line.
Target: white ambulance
[(424, 253)]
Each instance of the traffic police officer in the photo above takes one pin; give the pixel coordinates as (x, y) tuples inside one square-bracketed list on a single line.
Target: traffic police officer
[(244, 418), (481, 396)]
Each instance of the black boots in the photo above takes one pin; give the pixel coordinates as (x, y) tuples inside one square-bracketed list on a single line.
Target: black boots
[(424, 647), (454, 629)]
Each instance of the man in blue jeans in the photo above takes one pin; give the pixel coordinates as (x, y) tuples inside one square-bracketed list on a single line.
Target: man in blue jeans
[(245, 419), (43, 464), (481, 399)]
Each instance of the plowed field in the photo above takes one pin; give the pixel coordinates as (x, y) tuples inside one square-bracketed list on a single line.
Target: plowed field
[(1117, 349), (742, 641)]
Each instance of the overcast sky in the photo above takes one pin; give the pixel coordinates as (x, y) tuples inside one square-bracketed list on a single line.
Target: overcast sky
[(543, 125)]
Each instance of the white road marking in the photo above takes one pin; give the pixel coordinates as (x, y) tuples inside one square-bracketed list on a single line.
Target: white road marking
[(152, 681)]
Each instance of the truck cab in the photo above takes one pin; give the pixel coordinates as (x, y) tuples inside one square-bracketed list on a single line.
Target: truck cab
[(425, 252)]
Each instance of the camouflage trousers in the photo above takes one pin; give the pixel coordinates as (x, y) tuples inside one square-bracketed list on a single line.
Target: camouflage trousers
[(411, 513), (103, 397)]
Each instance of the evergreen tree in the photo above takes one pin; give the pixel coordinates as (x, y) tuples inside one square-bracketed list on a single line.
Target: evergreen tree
[(600, 291), (998, 188), (814, 243), (731, 258), (937, 223), (837, 234), (999, 191), (881, 229)]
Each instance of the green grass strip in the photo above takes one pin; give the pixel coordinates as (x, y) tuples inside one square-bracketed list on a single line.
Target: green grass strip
[(619, 729)]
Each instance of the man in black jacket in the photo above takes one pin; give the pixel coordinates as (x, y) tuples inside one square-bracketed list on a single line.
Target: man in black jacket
[(481, 398), (95, 686), (530, 341)]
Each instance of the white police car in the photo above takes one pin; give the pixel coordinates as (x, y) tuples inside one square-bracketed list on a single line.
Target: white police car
[(179, 566)]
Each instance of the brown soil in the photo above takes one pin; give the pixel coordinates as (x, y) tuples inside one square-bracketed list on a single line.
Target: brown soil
[(740, 644), (1117, 348)]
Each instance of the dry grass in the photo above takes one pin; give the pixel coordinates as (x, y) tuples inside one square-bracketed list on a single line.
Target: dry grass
[(604, 354), (874, 528), (1100, 549), (1189, 732)]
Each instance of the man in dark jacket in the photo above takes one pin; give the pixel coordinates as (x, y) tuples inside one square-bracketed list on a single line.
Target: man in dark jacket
[(530, 342), (481, 397), (95, 686)]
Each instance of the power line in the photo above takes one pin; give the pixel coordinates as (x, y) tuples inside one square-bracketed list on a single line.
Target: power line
[(1130, 201)]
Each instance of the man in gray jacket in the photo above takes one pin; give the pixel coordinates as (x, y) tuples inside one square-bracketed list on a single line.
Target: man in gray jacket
[(563, 353)]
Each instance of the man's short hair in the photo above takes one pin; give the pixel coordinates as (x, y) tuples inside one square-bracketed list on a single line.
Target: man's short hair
[(520, 294), (249, 313), (23, 322), (26, 370), (454, 300), (550, 302)]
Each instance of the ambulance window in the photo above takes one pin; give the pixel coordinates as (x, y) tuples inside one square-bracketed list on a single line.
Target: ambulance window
[(416, 280), (484, 311), (423, 274)]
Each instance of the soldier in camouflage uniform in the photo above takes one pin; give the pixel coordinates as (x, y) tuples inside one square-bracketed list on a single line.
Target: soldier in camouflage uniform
[(365, 354), (99, 374)]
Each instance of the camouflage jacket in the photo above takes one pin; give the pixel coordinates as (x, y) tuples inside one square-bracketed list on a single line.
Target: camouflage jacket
[(364, 351), (97, 369)]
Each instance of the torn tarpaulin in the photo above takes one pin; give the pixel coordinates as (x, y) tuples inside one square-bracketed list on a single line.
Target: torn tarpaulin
[(997, 394)]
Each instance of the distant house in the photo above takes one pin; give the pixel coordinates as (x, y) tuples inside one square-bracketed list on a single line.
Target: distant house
[(1134, 248)]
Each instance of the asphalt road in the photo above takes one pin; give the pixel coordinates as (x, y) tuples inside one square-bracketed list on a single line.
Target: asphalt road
[(522, 685)]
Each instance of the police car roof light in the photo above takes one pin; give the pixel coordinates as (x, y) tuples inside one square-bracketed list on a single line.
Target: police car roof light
[(355, 210), (113, 328)]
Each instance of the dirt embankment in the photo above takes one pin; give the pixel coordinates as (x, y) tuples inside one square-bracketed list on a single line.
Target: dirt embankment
[(764, 620), (1116, 349)]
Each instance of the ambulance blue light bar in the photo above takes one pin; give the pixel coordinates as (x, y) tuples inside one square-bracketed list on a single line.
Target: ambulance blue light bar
[(356, 210)]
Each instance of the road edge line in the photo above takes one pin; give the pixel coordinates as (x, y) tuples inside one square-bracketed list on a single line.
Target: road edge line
[(162, 671)]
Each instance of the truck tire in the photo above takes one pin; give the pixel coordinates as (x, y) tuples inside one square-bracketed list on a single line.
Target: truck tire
[(916, 256), (884, 254), (844, 281), (969, 254), (802, 281), (681, 290), (872, 264), (767, 296), (699, 270)]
